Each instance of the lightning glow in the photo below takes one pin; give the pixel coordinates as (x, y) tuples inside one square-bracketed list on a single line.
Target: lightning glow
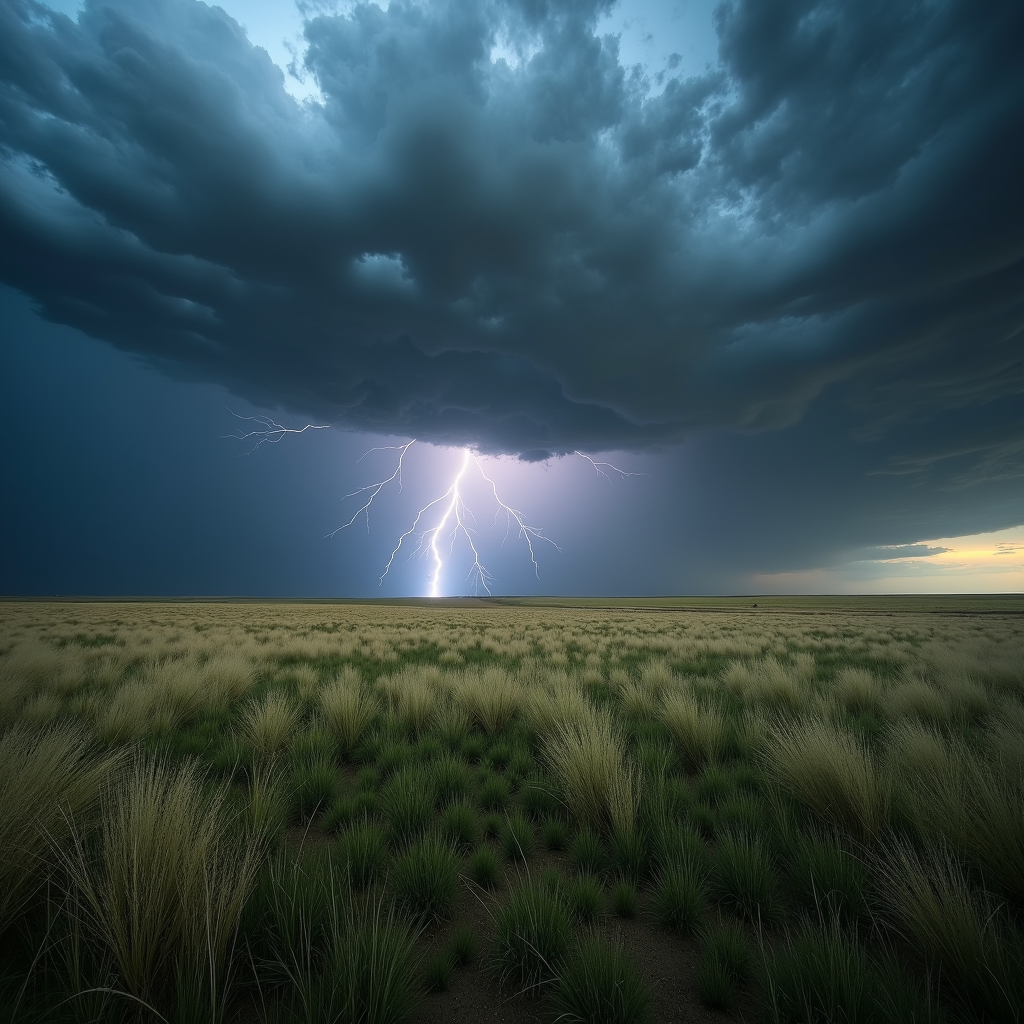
[(444, 521), (452, 520)]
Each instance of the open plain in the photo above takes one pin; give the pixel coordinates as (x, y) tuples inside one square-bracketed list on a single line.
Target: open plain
[(791, 810)]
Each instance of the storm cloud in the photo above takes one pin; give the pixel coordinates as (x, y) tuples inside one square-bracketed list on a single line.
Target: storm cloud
[(540, 252)]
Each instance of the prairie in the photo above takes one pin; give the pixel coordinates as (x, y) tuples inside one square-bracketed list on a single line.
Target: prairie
[(788, 810)]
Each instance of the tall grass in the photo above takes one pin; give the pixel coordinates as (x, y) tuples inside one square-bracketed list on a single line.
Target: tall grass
[(45, 779), (347, 711), (958, 928), (490, 697), (269, 723), (769, 683), (349, 959), (162, 885), (599, 983), (532, 934), (856, 689), (832, 771), (413, 695), (586, 757), (953, 792), (702, 733)]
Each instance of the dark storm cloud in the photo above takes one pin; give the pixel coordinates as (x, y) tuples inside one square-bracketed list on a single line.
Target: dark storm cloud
[(546, 256)]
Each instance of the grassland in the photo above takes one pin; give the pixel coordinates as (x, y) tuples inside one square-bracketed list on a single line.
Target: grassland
[(512, 810)]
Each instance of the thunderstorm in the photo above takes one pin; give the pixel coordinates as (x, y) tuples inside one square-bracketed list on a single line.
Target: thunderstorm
[(453, 520), (444, 521)]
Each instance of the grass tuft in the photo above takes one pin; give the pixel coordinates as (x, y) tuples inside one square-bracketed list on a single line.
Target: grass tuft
[(45, 778), (680, 899), (832, 772), (599, 983), (425, 877), (532, 934)]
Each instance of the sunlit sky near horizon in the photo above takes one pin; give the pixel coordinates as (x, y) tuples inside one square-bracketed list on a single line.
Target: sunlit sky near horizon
[(766, 256)]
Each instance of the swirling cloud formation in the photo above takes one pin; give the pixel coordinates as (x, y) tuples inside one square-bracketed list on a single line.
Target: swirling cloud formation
[(538, 252)]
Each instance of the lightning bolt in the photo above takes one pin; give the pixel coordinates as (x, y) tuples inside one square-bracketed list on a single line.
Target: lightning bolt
[(603, 467), (269, 432), (455, 521)]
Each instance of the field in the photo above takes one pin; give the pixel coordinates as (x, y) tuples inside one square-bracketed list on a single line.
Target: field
[(786, 810)]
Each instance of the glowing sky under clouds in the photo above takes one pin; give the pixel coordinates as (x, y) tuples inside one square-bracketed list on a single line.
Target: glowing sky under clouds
[(770, 253)]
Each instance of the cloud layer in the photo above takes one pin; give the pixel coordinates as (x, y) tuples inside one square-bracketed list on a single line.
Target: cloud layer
[(542, 257)]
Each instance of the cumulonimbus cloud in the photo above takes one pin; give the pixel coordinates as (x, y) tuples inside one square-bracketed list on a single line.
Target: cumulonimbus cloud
[(532, 258)]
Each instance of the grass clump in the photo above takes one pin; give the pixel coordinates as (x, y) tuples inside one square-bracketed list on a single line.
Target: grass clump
[(358, 968), (494, 792), (952, 793), (407, 799), (587, 853), (314, 786), (680, 898), (831, 771), (725, 961), (491, 698), (485, 868), (532, 933), (460, 826), (624, 900), (462, 946), (438, 972), (584, 897), (518, 840), (268, 724), (554, 835), (162, 884), (346, 710), (959, 928), (701, 733), (819, 974), (599, 983), (825, 878), (362, 851), (586, 757), (45, 778), (452, 779), (425, 877), (744, 879)]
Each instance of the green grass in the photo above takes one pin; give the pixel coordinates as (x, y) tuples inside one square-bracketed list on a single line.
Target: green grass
[(532, 933), (407, 800), (831, 805), (743, 878), (624, 900), (460, 826), (599, 983), (46, 779), (425, 879), (362, 852), (832, 772), (518, 839), (584, 897), (485, 868), (462, 946), (680, 899), (163, 883), (587, 852), (438, 972), (554, 834)]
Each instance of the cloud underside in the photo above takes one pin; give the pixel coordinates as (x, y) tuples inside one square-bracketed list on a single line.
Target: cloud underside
[(545, 256)]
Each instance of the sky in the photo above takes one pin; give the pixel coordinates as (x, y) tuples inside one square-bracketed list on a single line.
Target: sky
[(764, 256)]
